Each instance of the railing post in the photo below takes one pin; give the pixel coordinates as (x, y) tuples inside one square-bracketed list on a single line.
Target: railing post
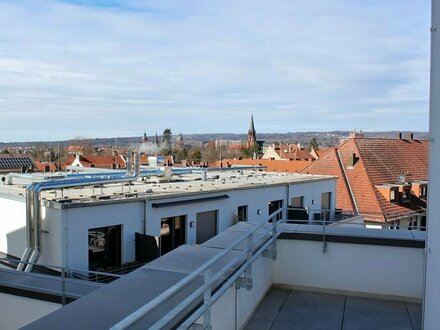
[(324, 243), (274, 236), (63, 287), (207, 300), (249, 240)]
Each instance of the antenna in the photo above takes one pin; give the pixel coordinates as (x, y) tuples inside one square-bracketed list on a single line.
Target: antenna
[(401, 179)]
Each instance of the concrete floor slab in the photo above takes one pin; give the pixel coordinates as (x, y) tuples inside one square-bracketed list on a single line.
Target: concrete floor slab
[(376, 312), (299, 321), (312, 310), (269, 308), (415, 314), (318, 304)]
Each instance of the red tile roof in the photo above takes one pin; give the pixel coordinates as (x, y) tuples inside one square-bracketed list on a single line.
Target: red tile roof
[(45, 166), (378, 162), (292, 151), (321, 152), (98, 161), (290, 166)]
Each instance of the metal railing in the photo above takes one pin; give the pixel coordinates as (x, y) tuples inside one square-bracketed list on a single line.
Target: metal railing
[(240, 264), (65, 277), (316, 216), (329, 218)]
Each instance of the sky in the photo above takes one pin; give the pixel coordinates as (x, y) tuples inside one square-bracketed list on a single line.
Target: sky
[(96, 68)]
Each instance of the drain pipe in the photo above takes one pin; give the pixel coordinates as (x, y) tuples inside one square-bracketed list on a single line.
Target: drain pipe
[(33, 206), (29, 237)]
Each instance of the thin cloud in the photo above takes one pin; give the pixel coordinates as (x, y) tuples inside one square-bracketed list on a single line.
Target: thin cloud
[(203, 66)]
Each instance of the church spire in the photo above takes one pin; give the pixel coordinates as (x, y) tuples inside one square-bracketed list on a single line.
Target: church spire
[(144, 138), (251, 125), (252, 137)]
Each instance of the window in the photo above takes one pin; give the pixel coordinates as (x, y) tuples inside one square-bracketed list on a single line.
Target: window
[(393, 195), (105, 248), (423, 191), (275, 206), (172, 233), (326, 205), (242, 213), (206, 226), (297, 213), (297, 202), (406, 195)]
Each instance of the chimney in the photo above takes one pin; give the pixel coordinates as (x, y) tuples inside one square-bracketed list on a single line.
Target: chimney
[(399, 136), (411, 136)]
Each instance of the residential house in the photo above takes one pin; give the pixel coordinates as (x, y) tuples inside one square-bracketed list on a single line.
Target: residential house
[(272, 165), (284, 151), (383, 179), (45, 167), (108, 162)]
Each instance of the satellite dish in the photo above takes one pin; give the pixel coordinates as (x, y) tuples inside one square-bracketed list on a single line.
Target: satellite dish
[(401, 179)]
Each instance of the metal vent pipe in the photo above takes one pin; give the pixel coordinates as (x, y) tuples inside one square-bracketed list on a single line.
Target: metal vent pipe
[(33, 205)]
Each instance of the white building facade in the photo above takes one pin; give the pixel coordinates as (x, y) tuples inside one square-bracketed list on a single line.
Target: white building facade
[(103, 229)]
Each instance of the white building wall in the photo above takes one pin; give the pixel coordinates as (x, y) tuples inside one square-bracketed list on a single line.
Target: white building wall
[(431, 306), (351, 268), (65, 231), (256, 199), (52, 246), (12, 226), (80, 220), (270, 153), (312, 194), (234, 309)]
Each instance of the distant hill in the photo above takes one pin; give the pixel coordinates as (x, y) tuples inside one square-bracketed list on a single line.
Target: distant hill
[(324, 138)]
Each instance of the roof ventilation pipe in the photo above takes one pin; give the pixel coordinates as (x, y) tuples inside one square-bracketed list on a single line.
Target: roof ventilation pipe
[(33, 204)]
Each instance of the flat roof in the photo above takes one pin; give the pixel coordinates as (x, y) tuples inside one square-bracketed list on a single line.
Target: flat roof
[(154, 187)]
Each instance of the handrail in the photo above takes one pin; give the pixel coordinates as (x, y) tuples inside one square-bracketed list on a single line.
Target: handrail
[(142, 311), (195, 316), (62, 269), (341, 215)]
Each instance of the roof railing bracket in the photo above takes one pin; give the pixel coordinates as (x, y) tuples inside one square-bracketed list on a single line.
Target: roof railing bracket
[(197, 326), (244, 282), (270, 252)]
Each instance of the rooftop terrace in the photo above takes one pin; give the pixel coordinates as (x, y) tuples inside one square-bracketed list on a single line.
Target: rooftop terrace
[(355, 283), (295, 309)]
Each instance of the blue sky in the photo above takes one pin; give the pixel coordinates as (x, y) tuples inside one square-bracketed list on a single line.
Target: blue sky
[(116, 68)]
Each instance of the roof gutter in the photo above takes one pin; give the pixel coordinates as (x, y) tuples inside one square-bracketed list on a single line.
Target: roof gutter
[(347, 183)]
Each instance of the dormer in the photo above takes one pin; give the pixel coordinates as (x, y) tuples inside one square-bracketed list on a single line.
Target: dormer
[(390, 192), (419, 189), (352, 160)]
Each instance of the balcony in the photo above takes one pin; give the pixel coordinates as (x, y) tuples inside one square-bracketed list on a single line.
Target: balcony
[(345, 276)]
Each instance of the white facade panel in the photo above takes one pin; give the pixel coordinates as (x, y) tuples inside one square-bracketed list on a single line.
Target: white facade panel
[(12, 226), (80, 220), (51, 237), (351, 268), (256, 199), (312, 194)]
